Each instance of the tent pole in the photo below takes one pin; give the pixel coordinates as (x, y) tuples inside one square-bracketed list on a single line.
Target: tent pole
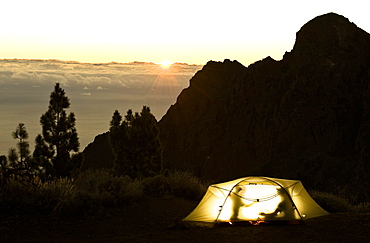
[(223, 204), (290, 198)]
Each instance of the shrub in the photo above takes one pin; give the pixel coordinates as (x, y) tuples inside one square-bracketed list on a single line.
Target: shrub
[(330, 202), (88, 194), (15, 196), (186, 185), (156, 185), (19, 195), (92, 192), (110, 189), (51, 194), (362, 208), (179, 183)]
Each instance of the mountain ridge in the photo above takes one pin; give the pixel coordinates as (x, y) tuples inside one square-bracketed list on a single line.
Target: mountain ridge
[(304, 117)]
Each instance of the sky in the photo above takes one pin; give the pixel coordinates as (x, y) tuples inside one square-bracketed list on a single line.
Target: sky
[(95, 92), (192, 31)]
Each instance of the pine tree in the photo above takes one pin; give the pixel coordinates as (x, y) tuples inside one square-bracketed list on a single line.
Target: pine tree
[(42, 156), (13, 158), (149, 152), (118, 138), (20, 161), (23, 146), (4, 169), (136, 145), (59, 137)]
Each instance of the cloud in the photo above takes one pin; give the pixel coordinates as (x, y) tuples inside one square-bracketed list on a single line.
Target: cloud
[(37, 72), (94, 90)]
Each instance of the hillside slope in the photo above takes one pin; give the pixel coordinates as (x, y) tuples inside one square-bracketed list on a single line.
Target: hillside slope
[(305, 117)]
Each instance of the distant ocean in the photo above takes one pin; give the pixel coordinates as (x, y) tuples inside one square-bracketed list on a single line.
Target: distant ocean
[(95, 92)]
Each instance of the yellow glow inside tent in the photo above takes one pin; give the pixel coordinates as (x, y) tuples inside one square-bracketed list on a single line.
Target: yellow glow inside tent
[(250, 203), (254, 199)]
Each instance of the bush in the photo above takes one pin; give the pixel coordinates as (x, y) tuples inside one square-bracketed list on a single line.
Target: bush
[(342, 201), (19, 195), (156, 185), (186, 185), (110, 189), (178, 183), (88, 194), (96, 190), (92, 192), (330, 202), (362, 208), (51, 194)]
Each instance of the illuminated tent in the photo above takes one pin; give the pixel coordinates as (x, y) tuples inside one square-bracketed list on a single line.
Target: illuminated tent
[(254, 200)]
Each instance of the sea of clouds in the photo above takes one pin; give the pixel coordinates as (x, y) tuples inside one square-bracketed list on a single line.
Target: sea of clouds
[(95, 92)]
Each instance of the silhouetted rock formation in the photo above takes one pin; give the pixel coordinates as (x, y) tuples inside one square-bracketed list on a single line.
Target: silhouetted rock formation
[(98, 154), (305, 117)]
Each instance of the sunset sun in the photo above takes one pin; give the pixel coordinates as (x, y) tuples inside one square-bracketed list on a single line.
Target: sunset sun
[(165, 64)]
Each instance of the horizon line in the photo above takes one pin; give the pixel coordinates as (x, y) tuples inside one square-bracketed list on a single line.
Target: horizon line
[(96, 63)]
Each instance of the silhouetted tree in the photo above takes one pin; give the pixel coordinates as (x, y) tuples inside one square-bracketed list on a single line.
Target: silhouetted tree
[(59, 137), (118, 138), (42, 155), (13, 157), (4, 169), (149, 150), (23, 146), (3, 163), (136, 145), (20, 162)]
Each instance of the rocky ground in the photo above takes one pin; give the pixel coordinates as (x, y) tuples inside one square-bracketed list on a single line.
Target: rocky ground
[(151, 219)]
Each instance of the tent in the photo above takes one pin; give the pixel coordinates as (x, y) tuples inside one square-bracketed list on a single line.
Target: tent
[(254, 200)]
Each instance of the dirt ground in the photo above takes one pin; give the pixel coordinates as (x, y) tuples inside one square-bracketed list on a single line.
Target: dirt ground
[(149, 221)]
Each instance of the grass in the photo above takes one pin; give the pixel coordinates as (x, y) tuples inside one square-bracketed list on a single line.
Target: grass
[(338, 203), (179, 184), (18, 195), (91, 192)]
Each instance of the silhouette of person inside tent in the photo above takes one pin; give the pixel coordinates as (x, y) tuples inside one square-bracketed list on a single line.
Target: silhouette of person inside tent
[(237, 203), (284, 210)]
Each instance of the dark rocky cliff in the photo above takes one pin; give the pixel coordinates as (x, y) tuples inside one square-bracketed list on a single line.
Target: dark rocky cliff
[(305, 117), (98, 154)]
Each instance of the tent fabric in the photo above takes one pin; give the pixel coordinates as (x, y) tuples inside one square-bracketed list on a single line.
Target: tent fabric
[(257, 199)]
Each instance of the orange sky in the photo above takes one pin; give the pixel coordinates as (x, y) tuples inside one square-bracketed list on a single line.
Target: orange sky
[(193, 31)]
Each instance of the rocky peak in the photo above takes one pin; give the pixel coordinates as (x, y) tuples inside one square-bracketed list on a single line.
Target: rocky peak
[(332, 35), (303, 117)]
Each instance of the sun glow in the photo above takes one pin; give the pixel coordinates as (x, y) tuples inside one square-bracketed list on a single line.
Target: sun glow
[(165, 64)]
